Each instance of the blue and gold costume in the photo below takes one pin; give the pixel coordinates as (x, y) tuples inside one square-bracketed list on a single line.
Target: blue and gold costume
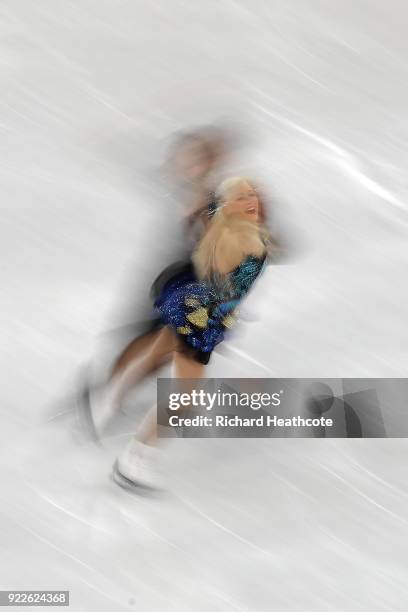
[(200, 311)]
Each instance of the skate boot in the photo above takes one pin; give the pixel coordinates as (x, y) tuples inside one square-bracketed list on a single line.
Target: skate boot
[(137, 466)]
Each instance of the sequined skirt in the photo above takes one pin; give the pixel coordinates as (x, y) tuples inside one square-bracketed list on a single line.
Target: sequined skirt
[(187, 305)]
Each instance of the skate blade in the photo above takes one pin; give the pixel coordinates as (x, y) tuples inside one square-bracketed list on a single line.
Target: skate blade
[(138, 488), (84, 414)]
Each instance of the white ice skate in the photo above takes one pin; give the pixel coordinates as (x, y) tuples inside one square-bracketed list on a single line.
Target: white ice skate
[(137, 466)]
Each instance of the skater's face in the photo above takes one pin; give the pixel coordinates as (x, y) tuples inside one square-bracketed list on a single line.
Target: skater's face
[(192, 161), (242, 201)]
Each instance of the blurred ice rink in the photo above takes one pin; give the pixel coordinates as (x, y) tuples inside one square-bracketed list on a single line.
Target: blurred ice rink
[(90, 91)]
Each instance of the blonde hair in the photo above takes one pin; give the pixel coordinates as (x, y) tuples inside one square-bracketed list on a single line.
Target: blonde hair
[(229, 239)]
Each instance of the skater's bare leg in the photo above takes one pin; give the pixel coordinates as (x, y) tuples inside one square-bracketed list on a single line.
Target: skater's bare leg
[(136, 349), (108, 399), (157, 351), (139, 462), (184, 366)]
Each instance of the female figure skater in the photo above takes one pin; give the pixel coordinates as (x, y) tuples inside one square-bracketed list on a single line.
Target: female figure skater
[(196, 308)]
